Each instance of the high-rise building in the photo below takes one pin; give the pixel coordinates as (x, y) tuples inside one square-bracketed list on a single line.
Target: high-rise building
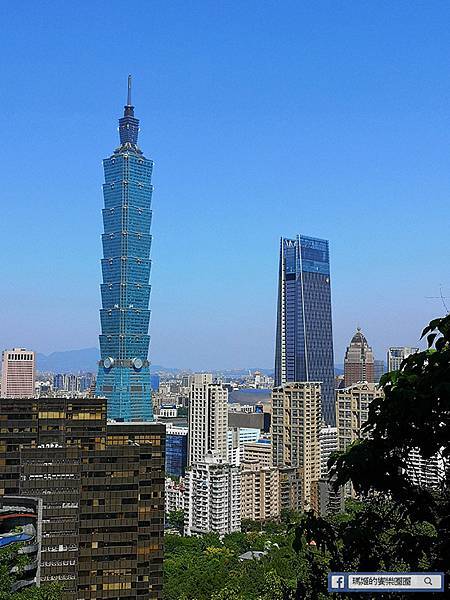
[(304, 339), (124, 375), (296, 423), (352, 411), (207, 418), (358, 362), (379, 369), (212, 500), (102, 487), (18, 373), (176, 450), (397, 354)]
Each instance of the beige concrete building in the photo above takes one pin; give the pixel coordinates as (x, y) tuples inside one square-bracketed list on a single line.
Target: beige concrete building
[(259, 451), (207, 419), (18, 373), (352, 410), (260, 492), (296, 423)]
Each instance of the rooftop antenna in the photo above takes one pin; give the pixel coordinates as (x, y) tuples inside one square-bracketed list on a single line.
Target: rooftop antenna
[(442, 298), (129, 91)]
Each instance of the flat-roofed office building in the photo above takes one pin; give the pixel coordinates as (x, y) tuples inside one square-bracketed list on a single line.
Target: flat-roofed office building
[(18, 373), (102, 486)]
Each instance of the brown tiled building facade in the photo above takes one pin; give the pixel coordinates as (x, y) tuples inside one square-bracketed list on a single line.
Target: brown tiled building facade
[(102, 486)]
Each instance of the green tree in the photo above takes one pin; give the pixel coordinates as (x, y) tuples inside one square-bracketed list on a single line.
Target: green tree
[(9, 558), (398, 524)]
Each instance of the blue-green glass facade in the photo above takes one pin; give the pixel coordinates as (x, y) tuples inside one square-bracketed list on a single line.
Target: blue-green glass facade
[(304, 339), (123, 375)]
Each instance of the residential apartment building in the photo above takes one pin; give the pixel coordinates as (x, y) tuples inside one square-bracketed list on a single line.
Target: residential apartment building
[(207, 418), (260, 492), (328, 445), (296, 423), (212, 497), (397, 354), (352, 411)]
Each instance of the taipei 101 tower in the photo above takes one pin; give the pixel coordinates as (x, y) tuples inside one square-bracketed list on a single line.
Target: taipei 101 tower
[(123, 373)]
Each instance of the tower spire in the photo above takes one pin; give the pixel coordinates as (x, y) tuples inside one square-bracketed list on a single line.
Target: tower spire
[(129, 91)]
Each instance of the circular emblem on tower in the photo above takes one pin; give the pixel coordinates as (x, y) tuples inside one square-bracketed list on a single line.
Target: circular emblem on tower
[(137, 363), (108, 362)]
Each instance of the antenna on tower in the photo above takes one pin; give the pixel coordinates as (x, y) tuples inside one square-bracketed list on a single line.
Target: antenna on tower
[(440, 297), (129, 91)]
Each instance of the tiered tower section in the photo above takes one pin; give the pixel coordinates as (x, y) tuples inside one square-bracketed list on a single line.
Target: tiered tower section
[(124, 375)]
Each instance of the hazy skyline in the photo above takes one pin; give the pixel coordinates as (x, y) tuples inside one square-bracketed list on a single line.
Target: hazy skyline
[(264, 120)]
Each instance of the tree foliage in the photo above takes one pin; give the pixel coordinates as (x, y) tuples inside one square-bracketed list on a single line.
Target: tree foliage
[(9, 558)]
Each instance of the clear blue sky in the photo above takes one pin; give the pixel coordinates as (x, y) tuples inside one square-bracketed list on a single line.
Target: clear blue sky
[(264, 119)]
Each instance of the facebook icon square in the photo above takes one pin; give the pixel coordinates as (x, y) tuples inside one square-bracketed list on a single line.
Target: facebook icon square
[(337, 582)]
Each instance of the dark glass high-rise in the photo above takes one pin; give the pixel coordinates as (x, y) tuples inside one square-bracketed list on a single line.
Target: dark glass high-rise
[(124, 374), (304, 339)]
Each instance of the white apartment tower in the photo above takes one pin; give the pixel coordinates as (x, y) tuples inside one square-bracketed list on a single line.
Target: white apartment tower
[(296, 423), (328, 445), (212, 500), (207, 418), (396, 354), (18, 373)]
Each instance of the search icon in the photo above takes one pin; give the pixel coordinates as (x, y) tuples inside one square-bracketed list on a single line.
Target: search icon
[(427, 581)]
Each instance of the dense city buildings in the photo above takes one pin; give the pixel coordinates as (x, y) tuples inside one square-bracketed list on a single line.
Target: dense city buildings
[(123, 374), (359, 361), (397, 354), (207, 418), (296, 423), (102, 487), (304, 339), (18, 373), (212, 497)]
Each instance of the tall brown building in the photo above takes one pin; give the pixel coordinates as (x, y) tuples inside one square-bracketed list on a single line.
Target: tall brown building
[(102, 486), (358, 362)]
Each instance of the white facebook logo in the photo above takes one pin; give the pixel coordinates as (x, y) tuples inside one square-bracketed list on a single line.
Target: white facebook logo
[(337, 582)]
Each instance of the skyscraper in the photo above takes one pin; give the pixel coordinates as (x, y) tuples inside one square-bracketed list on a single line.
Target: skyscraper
[(397, 354), (358, 362), (304, 340), (18, 373), (124, 375)]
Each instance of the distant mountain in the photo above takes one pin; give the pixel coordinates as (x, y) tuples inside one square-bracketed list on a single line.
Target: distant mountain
[(86, 359), (74, 361), (69, 361)]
